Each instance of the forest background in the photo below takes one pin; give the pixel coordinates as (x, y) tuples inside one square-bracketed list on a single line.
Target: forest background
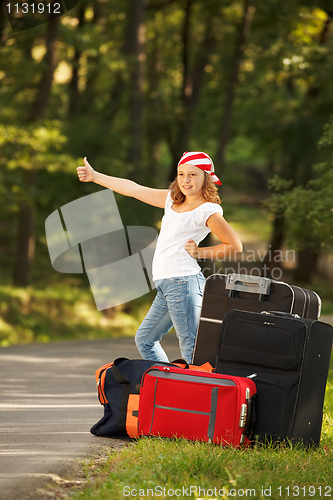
[(132, 85)]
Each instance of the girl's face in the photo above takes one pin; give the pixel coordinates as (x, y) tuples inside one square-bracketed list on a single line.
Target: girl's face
[(190, 179)]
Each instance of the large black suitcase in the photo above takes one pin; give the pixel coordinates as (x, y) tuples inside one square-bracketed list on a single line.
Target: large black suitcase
[(249, 293), (289, 359)]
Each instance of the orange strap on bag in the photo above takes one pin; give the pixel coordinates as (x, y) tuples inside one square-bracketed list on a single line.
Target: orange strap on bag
[(205, 367), (100, 382), (132, 415)]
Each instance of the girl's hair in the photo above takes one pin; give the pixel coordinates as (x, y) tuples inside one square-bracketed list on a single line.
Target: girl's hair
[(209, 191)]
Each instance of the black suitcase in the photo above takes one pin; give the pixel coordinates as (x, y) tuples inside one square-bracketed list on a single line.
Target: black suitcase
[(249, 293), (289, 359)]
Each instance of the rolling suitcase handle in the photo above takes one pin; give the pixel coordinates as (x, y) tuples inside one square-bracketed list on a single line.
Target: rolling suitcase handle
[(250, 284), (281, 314), (251, 416)]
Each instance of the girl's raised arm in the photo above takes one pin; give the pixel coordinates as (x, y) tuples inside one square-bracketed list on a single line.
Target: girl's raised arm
[(126, 187)]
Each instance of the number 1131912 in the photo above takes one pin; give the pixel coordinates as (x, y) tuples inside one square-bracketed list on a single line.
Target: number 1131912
[(34, 8), (305, 491)]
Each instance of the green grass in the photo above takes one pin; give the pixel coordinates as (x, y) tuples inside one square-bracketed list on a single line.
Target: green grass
[(63, 313), (156, 467), (156, 464)]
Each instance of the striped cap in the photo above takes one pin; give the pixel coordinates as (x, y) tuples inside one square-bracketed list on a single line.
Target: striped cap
[(200, 160)]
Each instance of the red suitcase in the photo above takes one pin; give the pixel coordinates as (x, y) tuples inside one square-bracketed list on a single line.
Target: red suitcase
[(198, 406)]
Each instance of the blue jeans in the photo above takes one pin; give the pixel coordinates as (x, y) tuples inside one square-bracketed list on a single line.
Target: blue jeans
[(177, 304)]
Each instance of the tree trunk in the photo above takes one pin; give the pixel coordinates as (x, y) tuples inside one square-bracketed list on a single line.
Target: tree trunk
[(307, 266), (153, 127), (3, 18), (86, 99), (115, 100), (49, 63), (74, 83), (26, 235), (25, 250), (179, 140), (231, 87), (134, 51), (275, 245), (191, 86)]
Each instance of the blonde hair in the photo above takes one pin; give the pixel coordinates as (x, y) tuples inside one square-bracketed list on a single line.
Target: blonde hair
[(209, 191)]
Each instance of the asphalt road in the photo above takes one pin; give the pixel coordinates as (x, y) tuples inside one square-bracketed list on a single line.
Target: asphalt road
[(48, 403)]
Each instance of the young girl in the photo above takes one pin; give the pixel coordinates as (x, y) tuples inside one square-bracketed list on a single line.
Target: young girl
[(192, 210)]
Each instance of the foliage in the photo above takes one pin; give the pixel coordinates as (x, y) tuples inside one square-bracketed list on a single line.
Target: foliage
[(130, 102), (34, 147), (308, 210)]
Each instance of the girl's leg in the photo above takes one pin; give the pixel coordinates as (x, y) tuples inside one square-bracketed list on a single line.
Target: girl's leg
[(184, 298), (156, 324)]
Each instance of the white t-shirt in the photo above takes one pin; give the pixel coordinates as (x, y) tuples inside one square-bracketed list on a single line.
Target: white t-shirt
[(170, 258)]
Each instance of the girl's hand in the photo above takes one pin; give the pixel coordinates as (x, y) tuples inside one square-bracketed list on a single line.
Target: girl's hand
[(192, 249), (86, 173)]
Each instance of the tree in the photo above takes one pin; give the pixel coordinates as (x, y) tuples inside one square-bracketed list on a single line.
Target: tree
[(25, 247), (307, 209), (224, 133), (134, 84), (192, 78), (291, 86)]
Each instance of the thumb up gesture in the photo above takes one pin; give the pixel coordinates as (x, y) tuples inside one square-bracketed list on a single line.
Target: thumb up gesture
[(85, 173)]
